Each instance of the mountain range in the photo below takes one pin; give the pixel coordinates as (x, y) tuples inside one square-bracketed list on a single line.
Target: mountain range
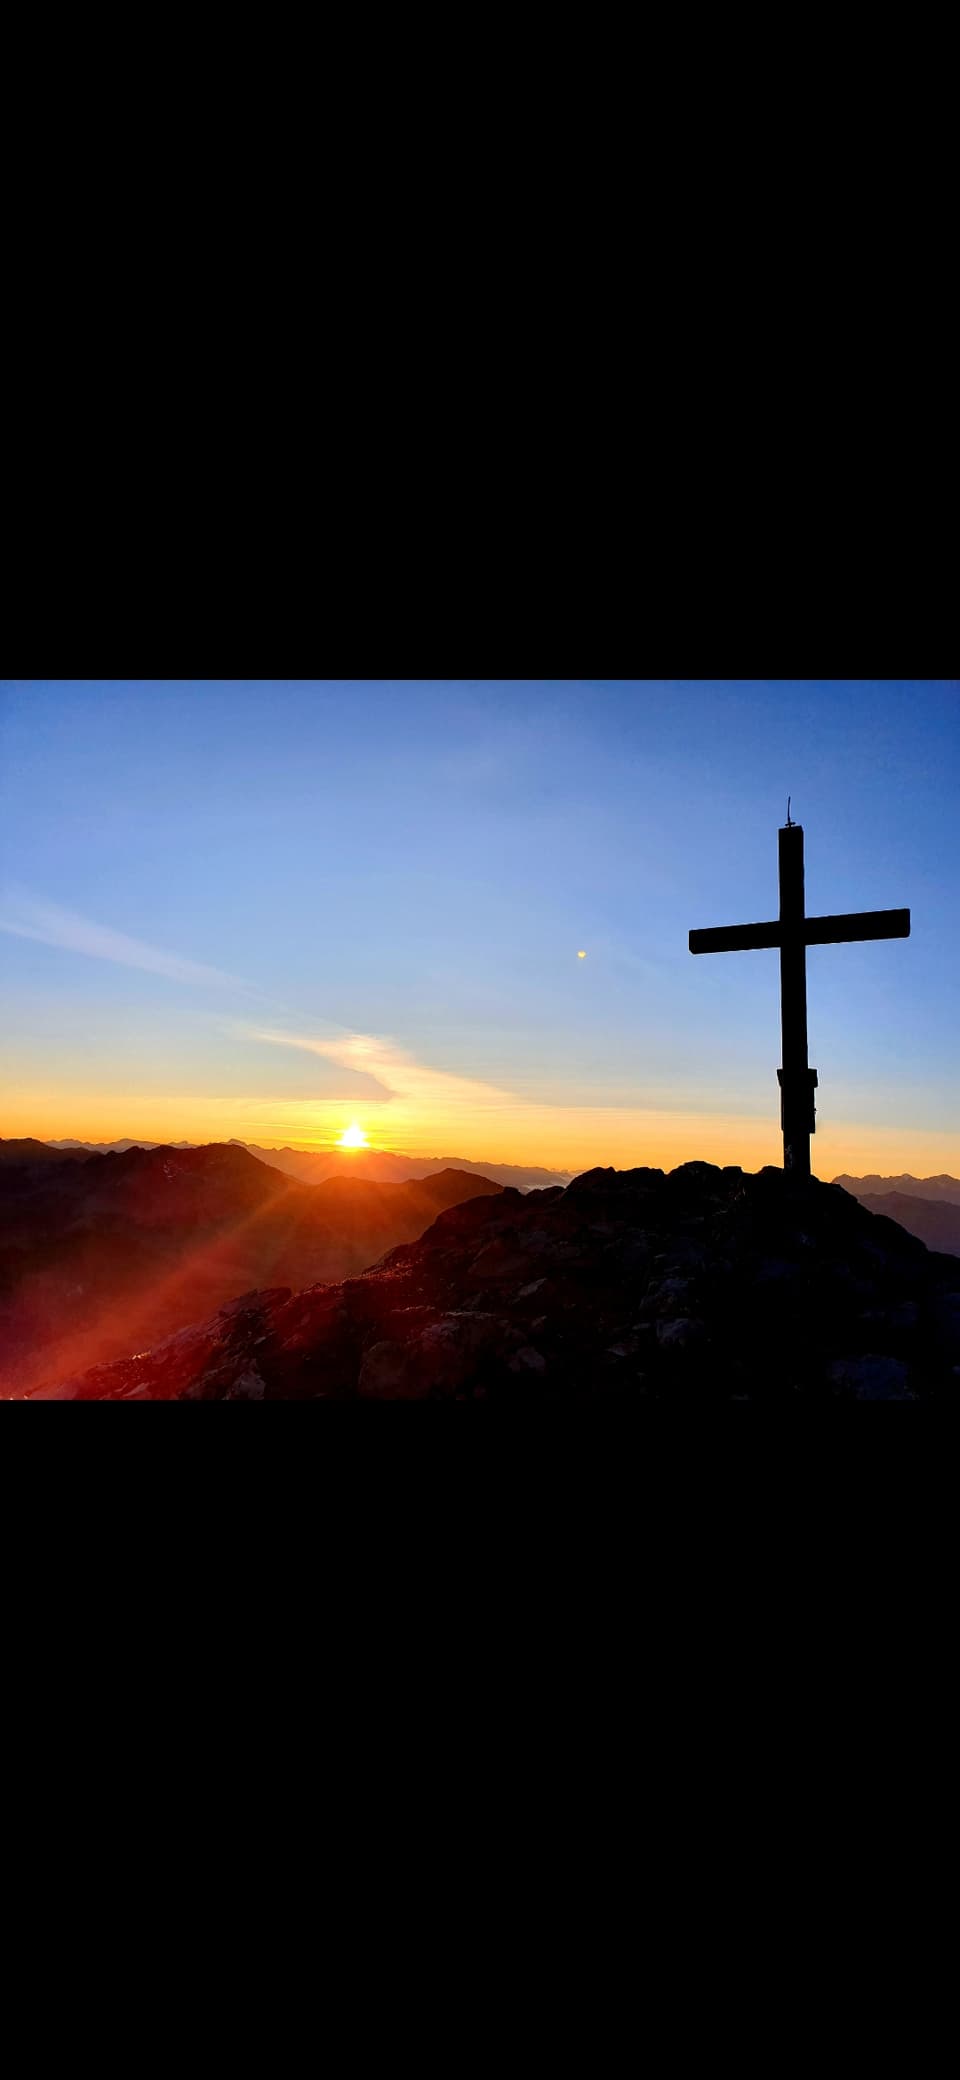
[(942, 1187), (928, 1207), (110, 1254), (691, 1287), (935, 1222), (108, 1148), (312, 1166), (31, 1151)]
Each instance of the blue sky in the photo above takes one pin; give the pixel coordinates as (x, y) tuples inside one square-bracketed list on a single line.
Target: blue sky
[(259, 908)]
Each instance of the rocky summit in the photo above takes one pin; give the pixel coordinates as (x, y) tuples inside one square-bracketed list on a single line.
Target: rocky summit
[(700, 1284)]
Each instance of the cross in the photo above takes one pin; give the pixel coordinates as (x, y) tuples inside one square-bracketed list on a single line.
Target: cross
[(793, 932)]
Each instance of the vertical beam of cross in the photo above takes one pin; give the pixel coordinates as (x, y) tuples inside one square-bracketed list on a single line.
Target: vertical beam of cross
[(796, 1100)]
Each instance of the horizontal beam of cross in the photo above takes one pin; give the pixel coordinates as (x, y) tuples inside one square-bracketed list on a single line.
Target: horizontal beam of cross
[(812, 931)]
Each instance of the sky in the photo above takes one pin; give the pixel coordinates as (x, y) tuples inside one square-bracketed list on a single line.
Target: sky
[(270, 910)]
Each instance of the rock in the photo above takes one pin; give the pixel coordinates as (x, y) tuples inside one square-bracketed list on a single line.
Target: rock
[(633, 1254), (946, 1325), (665, 1298), (871, 1378), (383, 1372), (772, 1271), (590, 1183), (255, 1302), (528, 1360), (671, 1291), (249, 1387), (499, 1259), (686, 1333)]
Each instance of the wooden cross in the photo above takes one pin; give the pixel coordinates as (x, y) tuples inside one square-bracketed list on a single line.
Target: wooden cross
[(793, 932)]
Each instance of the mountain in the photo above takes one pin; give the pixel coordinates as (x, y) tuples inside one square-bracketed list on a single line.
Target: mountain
[(313, 1166), (111, 1254), (691, 1287), (935, 1221), (107, 1148), (941, 1187), (31, 1151)]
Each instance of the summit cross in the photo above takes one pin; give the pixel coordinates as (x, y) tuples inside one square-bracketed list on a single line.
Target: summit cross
[(793, 932)]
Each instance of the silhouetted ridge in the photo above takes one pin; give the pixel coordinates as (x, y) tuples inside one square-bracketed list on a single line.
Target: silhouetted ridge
[(103, 1148), (697, 1283), (31, 1151)]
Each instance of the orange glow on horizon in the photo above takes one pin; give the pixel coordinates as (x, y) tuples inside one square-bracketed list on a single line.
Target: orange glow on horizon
[(433, 1117)]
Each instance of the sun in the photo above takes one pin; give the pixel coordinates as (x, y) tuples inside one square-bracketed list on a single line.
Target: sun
[(353, 1137)]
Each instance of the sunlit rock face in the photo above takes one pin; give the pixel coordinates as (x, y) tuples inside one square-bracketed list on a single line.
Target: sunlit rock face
[(696, 1285)]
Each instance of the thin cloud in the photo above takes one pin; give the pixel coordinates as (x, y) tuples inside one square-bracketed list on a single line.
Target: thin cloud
[(401, 1077), (27, 918)]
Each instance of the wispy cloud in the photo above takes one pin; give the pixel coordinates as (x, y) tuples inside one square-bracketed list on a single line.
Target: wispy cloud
[(434, 1109), (401, 1077), (27, 918)]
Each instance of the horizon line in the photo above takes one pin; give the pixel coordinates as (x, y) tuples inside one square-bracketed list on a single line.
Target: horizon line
[(298, 1148), (329, 1148)]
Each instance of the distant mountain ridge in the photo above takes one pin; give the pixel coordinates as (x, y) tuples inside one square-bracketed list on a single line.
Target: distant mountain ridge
[(942, 1187), (928, 1207), (28, 1150), (110, 1148), (934, 1221), (314, 1166)]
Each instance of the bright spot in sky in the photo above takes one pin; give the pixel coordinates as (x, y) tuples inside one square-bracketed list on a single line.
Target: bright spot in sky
[(353, 1137), (581, 956)]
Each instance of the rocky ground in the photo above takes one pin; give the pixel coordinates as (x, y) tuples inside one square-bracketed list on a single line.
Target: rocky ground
[(700, 1284)]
